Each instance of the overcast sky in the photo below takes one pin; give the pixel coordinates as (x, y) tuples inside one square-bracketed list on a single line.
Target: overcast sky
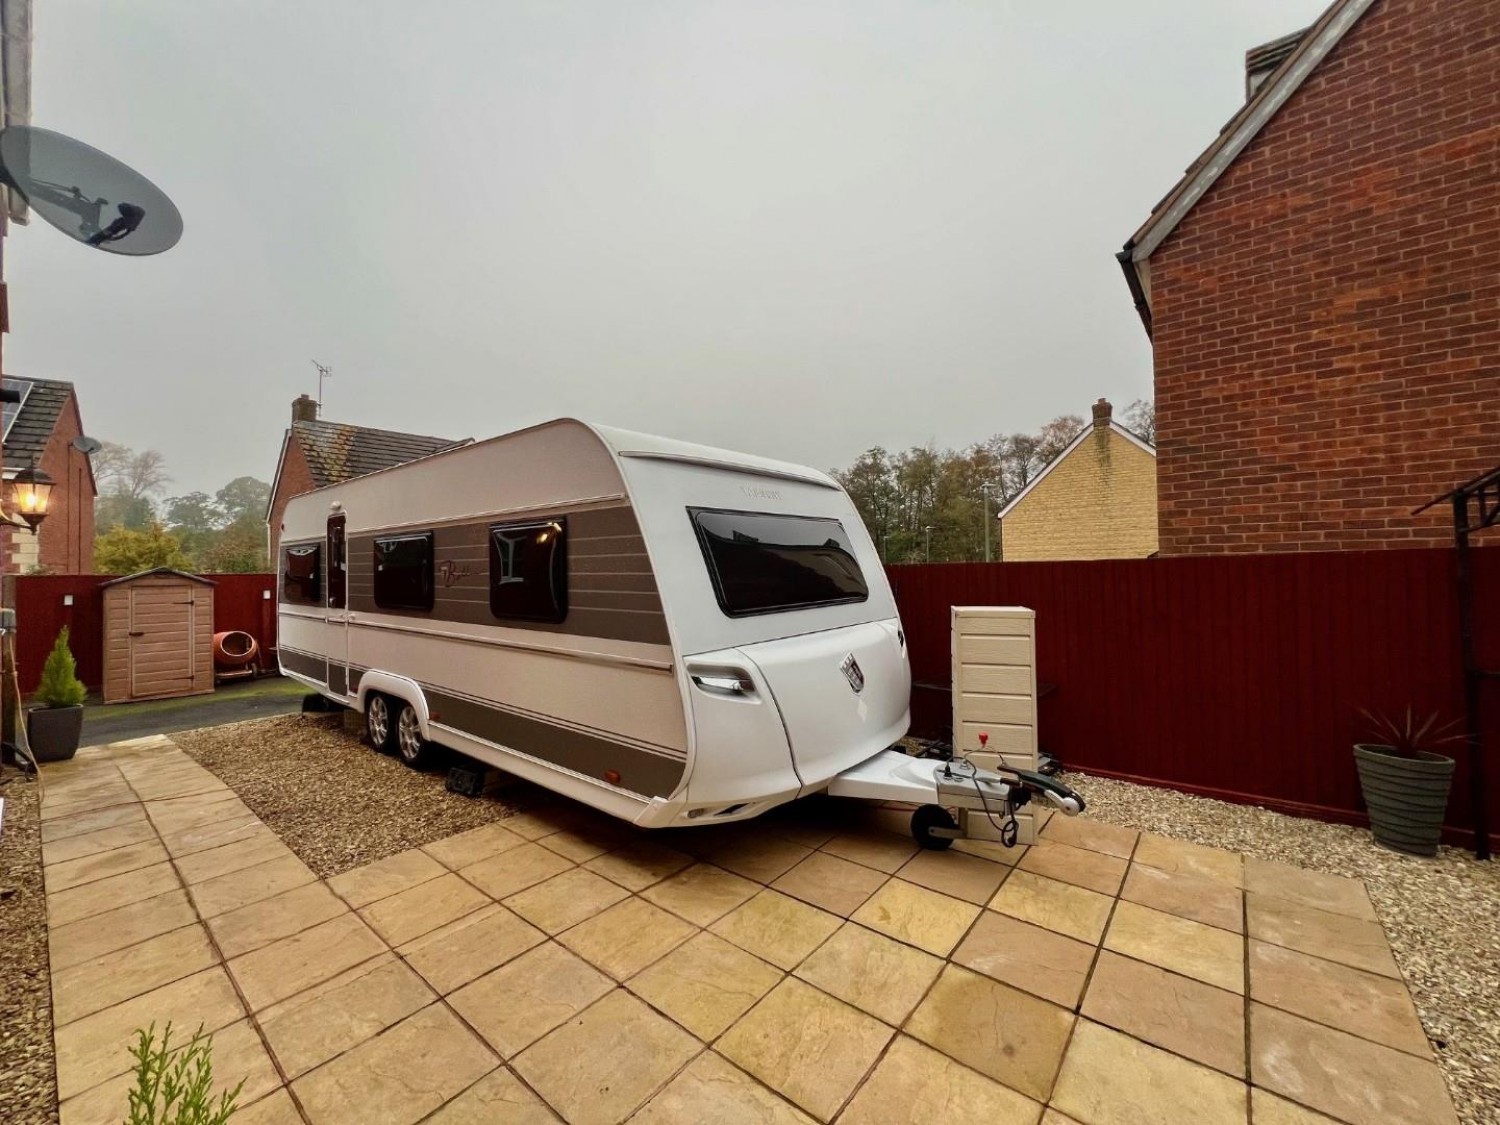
[(795, 229)]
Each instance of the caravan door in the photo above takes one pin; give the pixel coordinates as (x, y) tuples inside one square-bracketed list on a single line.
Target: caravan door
[(336, 615)]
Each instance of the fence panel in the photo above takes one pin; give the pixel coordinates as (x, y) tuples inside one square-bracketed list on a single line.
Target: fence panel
[(1237, 676), (240, 602)]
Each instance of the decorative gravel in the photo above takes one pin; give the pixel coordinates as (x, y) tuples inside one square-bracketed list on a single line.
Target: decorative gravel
[(1442, 915), (28, 1089), (336, 802)]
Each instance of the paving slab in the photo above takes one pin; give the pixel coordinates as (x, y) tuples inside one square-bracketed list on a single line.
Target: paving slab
[(813, 966)]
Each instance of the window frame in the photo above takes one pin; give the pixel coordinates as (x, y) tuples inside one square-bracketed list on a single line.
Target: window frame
[(429, 578), (716, 579), (317, 579), (558, 563)]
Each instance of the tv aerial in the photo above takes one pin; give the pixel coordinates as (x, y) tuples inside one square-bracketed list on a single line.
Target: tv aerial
[(87, 194)]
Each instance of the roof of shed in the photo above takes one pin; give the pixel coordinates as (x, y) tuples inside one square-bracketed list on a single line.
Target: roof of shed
[(158, 572)]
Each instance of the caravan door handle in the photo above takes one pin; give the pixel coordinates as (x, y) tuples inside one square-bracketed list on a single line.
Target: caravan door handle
[(137, 632)]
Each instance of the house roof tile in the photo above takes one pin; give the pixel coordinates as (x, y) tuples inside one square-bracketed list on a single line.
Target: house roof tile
[(338, 452), (36, 420)]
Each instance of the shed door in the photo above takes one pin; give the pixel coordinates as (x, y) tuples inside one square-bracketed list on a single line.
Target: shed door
[(162, 640)]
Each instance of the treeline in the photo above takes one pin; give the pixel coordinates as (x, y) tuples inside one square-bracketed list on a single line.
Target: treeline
[(137, 527), (925, 503)]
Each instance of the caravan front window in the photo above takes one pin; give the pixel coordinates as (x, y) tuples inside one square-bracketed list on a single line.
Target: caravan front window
[(302, 574), (403, 571), (529, 570), (764, 563)]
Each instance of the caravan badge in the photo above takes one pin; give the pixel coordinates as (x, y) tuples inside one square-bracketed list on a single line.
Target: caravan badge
[(852, 673)]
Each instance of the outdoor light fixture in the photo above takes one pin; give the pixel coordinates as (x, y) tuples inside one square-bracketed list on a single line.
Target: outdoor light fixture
[(30, 493)]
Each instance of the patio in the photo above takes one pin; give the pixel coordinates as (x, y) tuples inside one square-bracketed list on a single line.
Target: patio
[(560, 965)]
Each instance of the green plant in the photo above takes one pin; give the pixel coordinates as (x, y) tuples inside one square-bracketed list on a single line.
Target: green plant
[(60, 686), (174, 1086), (1410, 736)]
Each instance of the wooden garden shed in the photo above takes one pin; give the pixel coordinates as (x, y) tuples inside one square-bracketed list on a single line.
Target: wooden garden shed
[(158, 636)]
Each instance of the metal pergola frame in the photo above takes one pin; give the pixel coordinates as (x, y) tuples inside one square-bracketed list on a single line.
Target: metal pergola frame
[(1476, 506)]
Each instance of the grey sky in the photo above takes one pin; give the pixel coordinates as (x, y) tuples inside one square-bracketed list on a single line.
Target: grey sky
[(796, 229)]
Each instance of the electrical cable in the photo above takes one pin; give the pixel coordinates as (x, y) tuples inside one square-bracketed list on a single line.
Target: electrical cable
[(1010, 830), (23, 742)]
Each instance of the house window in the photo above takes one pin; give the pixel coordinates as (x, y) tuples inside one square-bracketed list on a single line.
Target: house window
[(403, 571), (529, 570), (302, 574), (764, 563)]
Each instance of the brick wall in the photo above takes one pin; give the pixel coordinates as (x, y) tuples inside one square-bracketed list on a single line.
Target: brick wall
[(294, 479), (65, 541), (1327, 318), (1098, 502)]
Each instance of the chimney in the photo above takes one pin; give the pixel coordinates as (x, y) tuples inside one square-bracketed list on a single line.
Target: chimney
[(1262, 61), (1103, 412), (304, 409)]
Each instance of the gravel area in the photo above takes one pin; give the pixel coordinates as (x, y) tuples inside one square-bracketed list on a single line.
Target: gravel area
[(336, 802), (1442, 915), (28, 1087)]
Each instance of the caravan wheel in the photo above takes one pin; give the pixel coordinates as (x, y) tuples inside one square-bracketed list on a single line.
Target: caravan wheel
[(379, 728), (412, 748)]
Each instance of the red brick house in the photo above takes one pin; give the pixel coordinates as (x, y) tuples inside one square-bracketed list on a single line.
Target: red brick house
[(1322, 289), (42, 430), (315, 453)]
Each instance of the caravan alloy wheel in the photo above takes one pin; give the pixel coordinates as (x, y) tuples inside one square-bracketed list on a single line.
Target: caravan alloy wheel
[(378, 723), (415, 750)]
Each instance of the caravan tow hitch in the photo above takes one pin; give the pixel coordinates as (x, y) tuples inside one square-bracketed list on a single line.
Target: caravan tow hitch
[(993, 795)]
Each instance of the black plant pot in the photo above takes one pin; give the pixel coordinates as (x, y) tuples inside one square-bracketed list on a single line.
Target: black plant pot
[(1407, 797), (54, 732)]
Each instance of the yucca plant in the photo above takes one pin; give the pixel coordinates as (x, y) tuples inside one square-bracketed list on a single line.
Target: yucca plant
[(174, 1086), (1411, 735)]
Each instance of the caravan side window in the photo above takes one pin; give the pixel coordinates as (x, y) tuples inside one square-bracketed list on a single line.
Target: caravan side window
[(766, 563), (529, 570), (302, 574), (403, 571)]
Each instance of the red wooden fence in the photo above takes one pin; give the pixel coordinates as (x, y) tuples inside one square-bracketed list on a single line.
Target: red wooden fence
[(239, 603), (1234, 676)]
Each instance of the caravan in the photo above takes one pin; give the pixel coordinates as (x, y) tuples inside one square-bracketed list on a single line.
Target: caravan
[(671, 633)]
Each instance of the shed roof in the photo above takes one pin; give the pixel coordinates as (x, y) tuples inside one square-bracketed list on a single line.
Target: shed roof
[(157, 572), (336, 451)]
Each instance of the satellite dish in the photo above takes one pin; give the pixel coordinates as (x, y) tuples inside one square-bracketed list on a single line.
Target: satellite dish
[(87, 445), (87, 194)]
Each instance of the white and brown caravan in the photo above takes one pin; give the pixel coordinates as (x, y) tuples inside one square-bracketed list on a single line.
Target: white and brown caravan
[(671, 633)]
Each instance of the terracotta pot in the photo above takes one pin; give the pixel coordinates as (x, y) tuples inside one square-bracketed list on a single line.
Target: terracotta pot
[(1407, 797), (54, 732)]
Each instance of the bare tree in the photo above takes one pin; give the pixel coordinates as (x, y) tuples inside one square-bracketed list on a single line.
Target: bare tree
[(121, 471), (1140, 419)]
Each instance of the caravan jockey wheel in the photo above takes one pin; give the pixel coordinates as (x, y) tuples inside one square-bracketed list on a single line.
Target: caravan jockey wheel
[(925, 819)]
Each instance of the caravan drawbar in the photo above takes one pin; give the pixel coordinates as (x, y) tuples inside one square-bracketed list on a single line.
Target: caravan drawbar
[(671, 633)]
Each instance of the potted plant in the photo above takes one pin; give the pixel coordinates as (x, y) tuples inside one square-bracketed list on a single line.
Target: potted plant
[(53, 726), (1404, 781)]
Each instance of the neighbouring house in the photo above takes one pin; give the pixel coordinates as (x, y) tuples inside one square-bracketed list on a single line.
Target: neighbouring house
[(1095, 500), (315, 453), (43, 430), (1322, 289)]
